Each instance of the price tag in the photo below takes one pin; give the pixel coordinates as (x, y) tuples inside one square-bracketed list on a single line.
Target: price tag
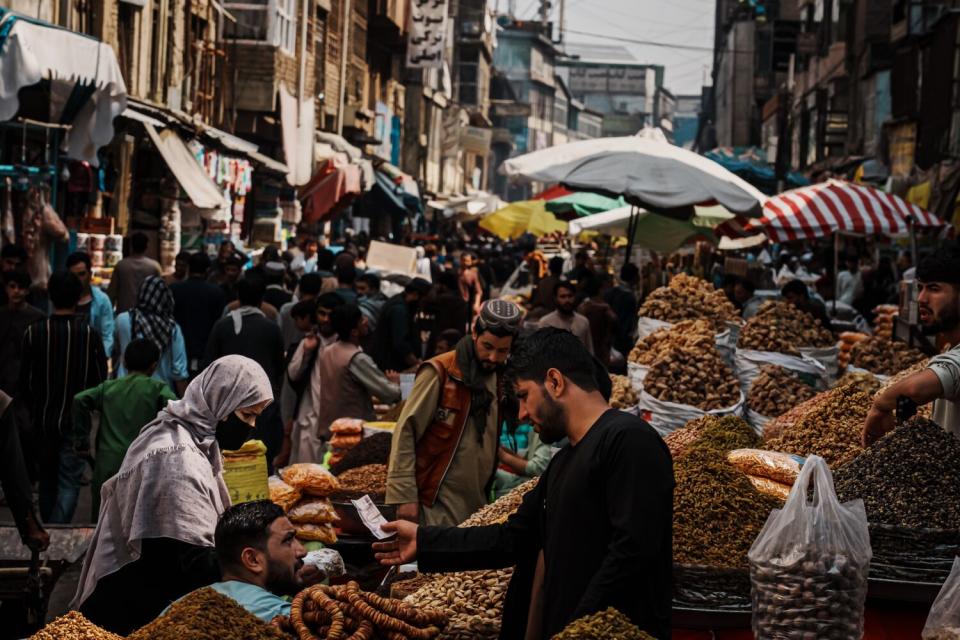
[(371, 517)]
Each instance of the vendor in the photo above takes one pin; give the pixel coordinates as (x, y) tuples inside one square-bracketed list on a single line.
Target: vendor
[(797, 293), (601, 514), (154, 541), (938, 277)]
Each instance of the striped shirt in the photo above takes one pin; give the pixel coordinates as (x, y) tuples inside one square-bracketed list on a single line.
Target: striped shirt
[(61, 357)]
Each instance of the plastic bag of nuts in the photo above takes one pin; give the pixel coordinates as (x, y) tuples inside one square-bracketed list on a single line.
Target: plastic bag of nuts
[(943, 623), (809, 565)]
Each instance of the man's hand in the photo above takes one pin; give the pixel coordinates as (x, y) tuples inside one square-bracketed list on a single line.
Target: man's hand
[(393, 376), (34, 536), (310, 342), (878, 423), (310, 575), (409, 511), (400, 549)]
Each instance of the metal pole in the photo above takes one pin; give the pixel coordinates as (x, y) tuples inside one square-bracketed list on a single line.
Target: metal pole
[(913, 240), (836, 270)]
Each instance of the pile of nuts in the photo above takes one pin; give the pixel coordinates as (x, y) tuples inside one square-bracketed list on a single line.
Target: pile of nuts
[(946, 633), (689, 333), (697, 377), (781, 327), (808, 593), (775, 391), (73, 626), (885, 357), (501, 509), (689, 298), (205, 613), (909, 478), (374, 449), (829, 425), (717, 513), (623, 396), (608, 624), (369, 479), (720, 434)]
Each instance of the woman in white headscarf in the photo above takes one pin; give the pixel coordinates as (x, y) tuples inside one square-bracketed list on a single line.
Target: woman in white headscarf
[(154, 538)]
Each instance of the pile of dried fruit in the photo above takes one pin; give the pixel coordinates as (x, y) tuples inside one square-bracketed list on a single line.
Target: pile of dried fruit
[(623, 396), (689, 298), (947, 633), (369, 479), (609, 624), (885, 357), (208, 615), (717, 513), (909, 478), (884, 320), (323, 612), (73, 626), (720, 434), (697, 377), (504, 507), (775, 391), (829, 425), (783, 328), (372, 450), (689, 333)]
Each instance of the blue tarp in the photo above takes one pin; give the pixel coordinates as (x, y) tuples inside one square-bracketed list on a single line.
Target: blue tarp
[(750, 163)]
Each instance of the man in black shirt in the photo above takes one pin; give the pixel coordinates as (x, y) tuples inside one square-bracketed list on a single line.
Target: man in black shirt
[(601, 515), (198, 304)]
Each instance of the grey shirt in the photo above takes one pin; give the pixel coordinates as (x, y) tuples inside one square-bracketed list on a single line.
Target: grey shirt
[(946, 409), (576, 324)]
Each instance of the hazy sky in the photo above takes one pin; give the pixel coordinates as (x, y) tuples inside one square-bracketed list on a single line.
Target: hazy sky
[(684, 22)]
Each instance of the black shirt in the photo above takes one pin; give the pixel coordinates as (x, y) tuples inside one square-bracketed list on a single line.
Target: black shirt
[(602, 513), (259, 339), (198, 304)]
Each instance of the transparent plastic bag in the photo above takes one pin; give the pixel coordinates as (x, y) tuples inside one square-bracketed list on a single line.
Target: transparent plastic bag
[(310, 478), (313, 511), (780, 467), (282, 494), (943, 623), (809, 565)]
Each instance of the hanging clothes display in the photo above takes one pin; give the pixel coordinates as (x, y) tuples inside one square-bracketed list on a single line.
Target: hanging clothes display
[(41, 228)]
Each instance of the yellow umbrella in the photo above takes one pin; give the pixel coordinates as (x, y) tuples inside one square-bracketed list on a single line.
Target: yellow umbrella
[(518, 218)]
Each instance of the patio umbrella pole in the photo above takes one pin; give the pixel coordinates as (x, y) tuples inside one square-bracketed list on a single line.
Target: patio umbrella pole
[(836, 270), (913, 240), (631, 230)]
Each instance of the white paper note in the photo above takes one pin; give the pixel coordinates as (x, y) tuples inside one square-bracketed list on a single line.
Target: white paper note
[(371, 517)]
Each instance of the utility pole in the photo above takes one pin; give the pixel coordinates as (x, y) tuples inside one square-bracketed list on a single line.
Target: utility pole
[(544, 13), (563, 18), (784, 134)]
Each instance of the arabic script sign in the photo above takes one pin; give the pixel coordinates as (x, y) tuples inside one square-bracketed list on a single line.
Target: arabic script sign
[(428, 28)]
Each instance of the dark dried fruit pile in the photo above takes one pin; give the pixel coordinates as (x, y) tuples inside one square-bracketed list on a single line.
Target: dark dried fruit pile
[(609, 624), (885, 357), (207, 615), (781, 327), (909, 478), (372, 450), (775, 391)]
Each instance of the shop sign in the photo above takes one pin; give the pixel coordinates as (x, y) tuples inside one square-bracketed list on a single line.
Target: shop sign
[(427, 33), (476, 140)]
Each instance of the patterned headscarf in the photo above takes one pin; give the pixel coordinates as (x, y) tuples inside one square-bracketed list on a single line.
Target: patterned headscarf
[(152, 318)]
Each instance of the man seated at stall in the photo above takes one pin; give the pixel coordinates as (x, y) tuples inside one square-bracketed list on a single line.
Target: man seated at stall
[(797, 293)]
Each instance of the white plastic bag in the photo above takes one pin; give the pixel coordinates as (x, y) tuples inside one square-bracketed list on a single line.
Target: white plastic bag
[(756, 420), (809, 565), (637, 373), (943, 623), (667, 417), (829, 357), (748, 363), (646, 326)]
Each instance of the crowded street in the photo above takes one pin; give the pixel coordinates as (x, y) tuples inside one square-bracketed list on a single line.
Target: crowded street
[(449, 320)]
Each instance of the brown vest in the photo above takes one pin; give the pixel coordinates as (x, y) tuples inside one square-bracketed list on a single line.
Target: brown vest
[(342, 396), (438, 445)]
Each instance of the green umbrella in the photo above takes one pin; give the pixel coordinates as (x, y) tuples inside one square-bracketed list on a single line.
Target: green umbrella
[(581, 204)]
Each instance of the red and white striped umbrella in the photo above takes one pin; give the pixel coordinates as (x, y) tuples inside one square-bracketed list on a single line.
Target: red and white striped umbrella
[(823, 209)]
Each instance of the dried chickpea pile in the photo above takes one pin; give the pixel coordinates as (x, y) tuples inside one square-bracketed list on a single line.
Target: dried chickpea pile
[(370, 479), (473, 600), (775, 391), (73, 626), (780, 327), (831, 426), (689, 333), (689, 298), (345, 612), (608, 624), (883, 356), (697, 377), (623, 396), (207, 615)]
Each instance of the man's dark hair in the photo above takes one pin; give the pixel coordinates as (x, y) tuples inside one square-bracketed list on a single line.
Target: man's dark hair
[(346, 274), (250, 290), (344, 319), (310, 284), (419, 286), (329, 300), (551, 348), (629, 273), (564, 284), (141, 354), (244, 525), (325, 259), (795, 287), (448, 279), (452, 336), (64, 289), (198, 263), (13, 251), (304, 309), (18, 276), (556, 265), (593, 285), (236, 260), (77, 257), (183, 256), (371, 279), (138, 243), (943, 265)]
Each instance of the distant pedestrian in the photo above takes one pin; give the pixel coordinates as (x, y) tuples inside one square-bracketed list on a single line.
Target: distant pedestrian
[(471, 286), (130, 272), (198, 304), (602, 319), (94, 304), (15, 316), (397, 344), (307, 290), (566, 316)]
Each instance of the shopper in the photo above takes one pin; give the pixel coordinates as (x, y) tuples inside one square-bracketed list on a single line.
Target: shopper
[(522, 455), (446, 309), (600, 316), (542, 300), (181, 269), (623, 300), (15, 316), (124, 405), (276, 294), (397, 343), (155, 539), (13, 257), (227, 275), (565, 317), (471, 287), (444, 448), (131, 272), (797, 293), (850, 282), (152, 318), (94, 304), (601, 514), (198, 304), (15, 481), (307, 291), (370, 299), (62, 356), (346, 279)]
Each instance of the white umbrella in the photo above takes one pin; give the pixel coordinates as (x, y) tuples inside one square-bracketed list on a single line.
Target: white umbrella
[(648, 230), (646, 170)]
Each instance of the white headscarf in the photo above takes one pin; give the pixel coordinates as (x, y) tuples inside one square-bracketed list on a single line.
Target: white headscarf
[(170, 483)]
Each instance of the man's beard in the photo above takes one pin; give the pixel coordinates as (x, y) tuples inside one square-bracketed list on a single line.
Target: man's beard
[(281, 582), (552, 421), (568, 311), (488, 367), (945, 321)]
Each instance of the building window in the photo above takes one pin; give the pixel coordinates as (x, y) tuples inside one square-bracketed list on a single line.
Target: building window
[(270, 21)]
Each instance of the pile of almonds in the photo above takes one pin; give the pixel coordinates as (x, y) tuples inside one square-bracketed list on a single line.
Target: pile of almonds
[(689, 333), (697, 377), (781, 327), (775, 391), (689, 298), (885, 357), (623, 396)]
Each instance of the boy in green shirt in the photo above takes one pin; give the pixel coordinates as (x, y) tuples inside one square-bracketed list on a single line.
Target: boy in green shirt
[(125, 406)]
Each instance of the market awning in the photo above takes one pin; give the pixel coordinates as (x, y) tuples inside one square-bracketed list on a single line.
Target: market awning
[(81, 68), (583, 203), (652, 231), (244, 148), (332, 184), (519, 218), (201, 190)]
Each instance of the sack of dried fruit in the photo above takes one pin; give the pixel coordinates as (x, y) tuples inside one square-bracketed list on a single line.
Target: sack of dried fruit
[(809, 565), (943, 623)]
